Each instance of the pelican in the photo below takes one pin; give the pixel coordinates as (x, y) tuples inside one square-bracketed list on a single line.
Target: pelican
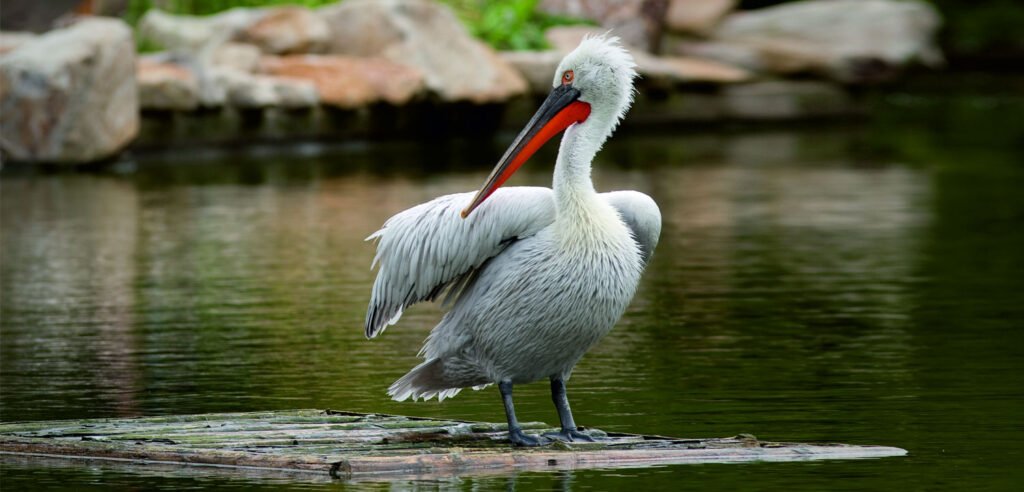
[(532, 277)]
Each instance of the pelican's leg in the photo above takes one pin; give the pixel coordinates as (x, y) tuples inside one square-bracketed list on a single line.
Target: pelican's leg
[(569, 430), (515, 432)]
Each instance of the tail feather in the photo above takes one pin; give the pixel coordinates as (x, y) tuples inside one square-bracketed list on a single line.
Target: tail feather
[(426, 381)]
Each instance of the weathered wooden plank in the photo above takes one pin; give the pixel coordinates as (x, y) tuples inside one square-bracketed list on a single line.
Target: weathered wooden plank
[(344, 444)]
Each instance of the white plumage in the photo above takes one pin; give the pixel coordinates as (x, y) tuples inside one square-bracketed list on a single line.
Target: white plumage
[(534, 277)]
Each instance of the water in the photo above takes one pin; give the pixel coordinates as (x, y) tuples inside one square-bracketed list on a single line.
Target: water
[(860, 284)]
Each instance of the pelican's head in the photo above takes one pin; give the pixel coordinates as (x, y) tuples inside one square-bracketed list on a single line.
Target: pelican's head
[(603, 72), (593, 85)]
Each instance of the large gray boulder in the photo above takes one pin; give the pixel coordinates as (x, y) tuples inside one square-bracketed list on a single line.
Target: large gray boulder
[(538, 67), (223, 50), (70, 95), (639, 23), (697, 16), (165, 85), (192, 34), (275, 30), (254, 91), (349, 82), (847, 40), (9, 40), (288, 30), (243, 57), (427, 36)]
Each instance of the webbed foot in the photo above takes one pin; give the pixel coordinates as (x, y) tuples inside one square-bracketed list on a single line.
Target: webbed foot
[(569, 435), (519, 438)]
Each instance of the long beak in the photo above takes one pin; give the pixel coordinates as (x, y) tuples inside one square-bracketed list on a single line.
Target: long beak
[(559, 111)]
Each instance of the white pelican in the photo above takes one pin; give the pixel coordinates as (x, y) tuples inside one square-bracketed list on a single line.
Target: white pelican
[(533, 276)]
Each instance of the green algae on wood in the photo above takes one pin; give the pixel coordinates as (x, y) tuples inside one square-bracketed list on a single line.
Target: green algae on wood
[(345, 444)]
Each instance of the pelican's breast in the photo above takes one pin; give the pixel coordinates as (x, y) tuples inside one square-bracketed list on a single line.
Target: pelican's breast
[(545, 301)]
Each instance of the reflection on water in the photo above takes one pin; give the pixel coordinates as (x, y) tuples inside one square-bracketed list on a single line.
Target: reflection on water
[(804, 289)]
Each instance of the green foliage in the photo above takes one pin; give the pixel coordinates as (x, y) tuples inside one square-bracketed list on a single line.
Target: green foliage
[(976, 27), (508, 25), (146, 45), (205, 7)]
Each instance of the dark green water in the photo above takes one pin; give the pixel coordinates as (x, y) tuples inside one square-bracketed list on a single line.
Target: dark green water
[(858, 284)]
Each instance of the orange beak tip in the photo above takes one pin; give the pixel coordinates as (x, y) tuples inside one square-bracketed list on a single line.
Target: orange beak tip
[(464, 213)]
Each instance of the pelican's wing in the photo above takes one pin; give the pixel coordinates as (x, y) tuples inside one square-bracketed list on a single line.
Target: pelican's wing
[(643, 217), (430, 247)]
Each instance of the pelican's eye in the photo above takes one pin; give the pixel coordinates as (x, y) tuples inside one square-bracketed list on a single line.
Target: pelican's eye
[(567, 77)]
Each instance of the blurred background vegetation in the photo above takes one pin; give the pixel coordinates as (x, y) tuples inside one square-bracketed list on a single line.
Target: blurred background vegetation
[(988, 29), (992, 27), (974, 30), (506, 25)]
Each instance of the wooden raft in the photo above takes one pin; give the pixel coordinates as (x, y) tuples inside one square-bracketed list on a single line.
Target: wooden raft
[(347, 445)]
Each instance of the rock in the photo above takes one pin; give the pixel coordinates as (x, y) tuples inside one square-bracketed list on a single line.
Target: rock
[(9, 40), (681, 70), (790, 57), (213, 84), (595, 10), (293, 94), (779, 99), (70, 95), (847, 40), (272, 30), (349, 82), (691, 69), (538, 67), (238, 56), (639, 23), (164, 85), (653, 69), (429, 37), (171, 76), (193, 34), (564, 39), (288, 30), (736, 54), (697, 16), (245, 90), (223, 67)]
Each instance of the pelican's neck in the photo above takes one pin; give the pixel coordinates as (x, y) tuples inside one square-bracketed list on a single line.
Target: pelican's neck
[(574, 190)]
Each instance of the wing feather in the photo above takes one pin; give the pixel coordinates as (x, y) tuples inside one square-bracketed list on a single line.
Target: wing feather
[(430, 248), (643, 217)]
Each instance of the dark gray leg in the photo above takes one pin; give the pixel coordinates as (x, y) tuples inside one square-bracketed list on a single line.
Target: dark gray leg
[(515, 432), (569, 430)]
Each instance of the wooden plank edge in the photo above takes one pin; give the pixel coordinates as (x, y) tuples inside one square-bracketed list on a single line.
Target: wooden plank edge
[(450, 463), (456, 462), (143, 461), (218, 458)]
